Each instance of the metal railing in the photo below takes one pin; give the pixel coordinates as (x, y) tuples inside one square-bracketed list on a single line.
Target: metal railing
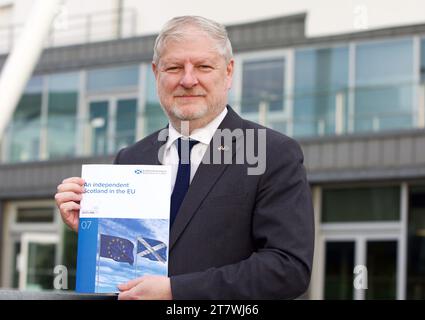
[(52, 295), (79, 29)]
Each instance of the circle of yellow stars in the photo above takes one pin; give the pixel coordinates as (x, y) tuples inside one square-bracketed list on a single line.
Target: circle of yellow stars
[(120, 243)]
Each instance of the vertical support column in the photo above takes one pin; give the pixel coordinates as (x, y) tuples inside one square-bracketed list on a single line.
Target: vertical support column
[(421, 106), (317, 277), (351, 88), (43, 148), (83, 136), (339, 113), (402, 243), (360, 259), (142, 100), (263, 109)]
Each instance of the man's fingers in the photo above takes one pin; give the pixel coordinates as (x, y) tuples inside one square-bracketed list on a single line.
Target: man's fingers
[(74, 187), (63, 197), (76, 180), (69, 209), (126, 295), (70, 214), (130, 284)]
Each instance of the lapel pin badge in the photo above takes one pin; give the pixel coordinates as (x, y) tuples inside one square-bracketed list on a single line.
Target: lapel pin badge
[(223, 148)]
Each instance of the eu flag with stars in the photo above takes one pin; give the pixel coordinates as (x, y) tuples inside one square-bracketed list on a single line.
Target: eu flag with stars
[(116, 248), (152, 249)]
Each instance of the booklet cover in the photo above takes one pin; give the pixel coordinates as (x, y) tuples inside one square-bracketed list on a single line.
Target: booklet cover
[(123, 230)]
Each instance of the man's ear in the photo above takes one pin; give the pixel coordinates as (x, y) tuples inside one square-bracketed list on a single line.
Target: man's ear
[(229, 73), (155, 69)]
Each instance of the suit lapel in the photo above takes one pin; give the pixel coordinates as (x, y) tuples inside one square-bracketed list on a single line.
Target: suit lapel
[(205, 178), (154, 150)]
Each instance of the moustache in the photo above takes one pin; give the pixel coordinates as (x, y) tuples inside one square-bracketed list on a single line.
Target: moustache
[(188, 93)]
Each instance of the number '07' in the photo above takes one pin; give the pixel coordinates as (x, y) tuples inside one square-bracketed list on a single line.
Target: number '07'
[(85, 224)]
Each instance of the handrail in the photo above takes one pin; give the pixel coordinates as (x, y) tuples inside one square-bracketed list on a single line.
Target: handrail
[(81, 28), (52, 295)]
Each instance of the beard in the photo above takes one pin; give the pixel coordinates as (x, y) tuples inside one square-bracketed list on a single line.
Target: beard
[(199, 110), (187, 114)]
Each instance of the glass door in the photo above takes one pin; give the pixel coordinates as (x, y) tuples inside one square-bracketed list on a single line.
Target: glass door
[(37, 260), (381, 265), (339, 266), (98, 122), (378, 255), (112, 124)]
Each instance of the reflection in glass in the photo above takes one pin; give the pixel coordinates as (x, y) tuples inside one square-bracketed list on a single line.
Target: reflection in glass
[(24, 133), (416, 245), (69, 259), (263, 81), (35, 215), (155, 118), (125, 133), (41, 262), (339, 265), (15, 270), (381, 265), (361, 204), (62, 115), (112, 78), (99, 127), (384, 85), (319, 75)]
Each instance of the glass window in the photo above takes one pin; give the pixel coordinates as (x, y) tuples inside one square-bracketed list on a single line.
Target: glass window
[(112, 78), (155, 118), (69, 259), (263, 81), (319, 75), (416, 245), (41, 262), (384, 85), (361, 204), (381, 262), (24, 133), (99, 127), (62, 113), (35, 215), (16, 247), (339, 265), (125, 123)]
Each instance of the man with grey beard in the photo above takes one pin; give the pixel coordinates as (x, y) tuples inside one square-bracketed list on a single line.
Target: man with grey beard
[(237, 231)]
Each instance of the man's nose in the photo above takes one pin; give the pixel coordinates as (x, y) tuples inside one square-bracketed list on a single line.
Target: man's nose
[(189, 78)]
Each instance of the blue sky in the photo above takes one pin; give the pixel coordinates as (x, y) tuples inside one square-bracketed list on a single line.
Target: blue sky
[(112, 273)]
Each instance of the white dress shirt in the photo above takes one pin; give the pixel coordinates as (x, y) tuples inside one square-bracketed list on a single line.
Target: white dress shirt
[(203, 135)]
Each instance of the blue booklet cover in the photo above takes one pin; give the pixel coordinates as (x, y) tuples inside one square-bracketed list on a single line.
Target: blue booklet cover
[(123, 231)]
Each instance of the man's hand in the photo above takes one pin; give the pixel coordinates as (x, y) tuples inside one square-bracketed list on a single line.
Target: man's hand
[(146, 288), (68, 198)]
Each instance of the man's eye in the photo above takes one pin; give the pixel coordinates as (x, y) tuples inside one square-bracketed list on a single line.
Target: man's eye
[(205, 67), (172, 69)]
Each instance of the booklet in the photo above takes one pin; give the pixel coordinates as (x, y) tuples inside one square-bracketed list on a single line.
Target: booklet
[(123, 230)]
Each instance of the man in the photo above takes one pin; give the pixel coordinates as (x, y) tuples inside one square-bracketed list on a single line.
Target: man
[(233, 235)]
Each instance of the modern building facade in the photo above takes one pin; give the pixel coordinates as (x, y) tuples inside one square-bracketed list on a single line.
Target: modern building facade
[(355, 102)]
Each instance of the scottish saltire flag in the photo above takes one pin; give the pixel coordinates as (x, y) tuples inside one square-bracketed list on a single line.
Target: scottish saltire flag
[(152, 249), (116, 248)]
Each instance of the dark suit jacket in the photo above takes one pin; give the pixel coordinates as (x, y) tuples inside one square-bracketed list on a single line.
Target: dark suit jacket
[(240, 236)]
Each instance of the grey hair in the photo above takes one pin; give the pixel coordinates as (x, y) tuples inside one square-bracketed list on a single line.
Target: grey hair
[(177, 28)]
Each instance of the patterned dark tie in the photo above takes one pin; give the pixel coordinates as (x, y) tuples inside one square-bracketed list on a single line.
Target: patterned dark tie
[(183, 176)]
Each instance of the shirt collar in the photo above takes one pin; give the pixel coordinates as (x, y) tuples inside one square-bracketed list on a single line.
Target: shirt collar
[(203, 135)]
